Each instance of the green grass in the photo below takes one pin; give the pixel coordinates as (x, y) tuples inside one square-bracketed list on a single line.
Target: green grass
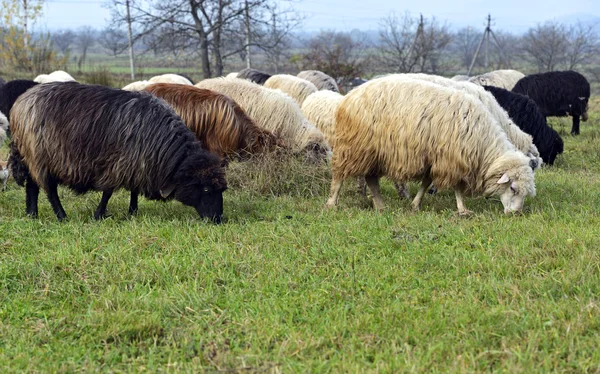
[(287, 286)]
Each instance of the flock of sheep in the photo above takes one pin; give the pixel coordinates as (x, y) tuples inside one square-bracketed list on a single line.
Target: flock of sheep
[(167, 139)]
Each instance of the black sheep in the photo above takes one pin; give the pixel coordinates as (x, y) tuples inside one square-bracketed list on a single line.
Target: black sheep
[(2, 82), (558, 94), (103, 139), (11, 91), (525, 113), (253, 75)]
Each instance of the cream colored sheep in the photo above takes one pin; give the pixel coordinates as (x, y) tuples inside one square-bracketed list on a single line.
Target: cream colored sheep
[(232, 75), (137, 86), (273, 111), (521, 140), (3, 128), (506, 79), (321, 80), (460, 78), (411, 129), (171, 78), (297, 88), (55, 76)]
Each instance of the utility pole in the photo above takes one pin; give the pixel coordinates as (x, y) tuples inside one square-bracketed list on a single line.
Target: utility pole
[(486, 36), (275, 49), (26, 36), (131, 60), (418, 34), (248, 58)]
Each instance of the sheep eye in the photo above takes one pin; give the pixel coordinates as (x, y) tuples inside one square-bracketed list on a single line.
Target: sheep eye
[(514, 190)]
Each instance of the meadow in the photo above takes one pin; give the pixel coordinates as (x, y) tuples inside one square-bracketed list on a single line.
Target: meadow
[(286, 285)]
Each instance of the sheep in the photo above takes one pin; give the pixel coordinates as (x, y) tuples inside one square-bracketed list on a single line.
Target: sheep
[(99, 138), (232, 75), (320, 108), (137, 86), (219, 123), (411, 129), (2, 82), (253, 75), (274, 111), (11, 91), (3, 174), (55, 76), (525, 114), (498, 78), (558, 94), (460, 78), (297, 88), (520, 139), (321, 80), (171, 78)]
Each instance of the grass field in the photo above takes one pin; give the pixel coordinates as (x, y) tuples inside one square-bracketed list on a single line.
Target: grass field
[(287, 286)]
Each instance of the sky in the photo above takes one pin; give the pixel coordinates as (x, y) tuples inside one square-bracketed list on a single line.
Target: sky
[(509, 15)]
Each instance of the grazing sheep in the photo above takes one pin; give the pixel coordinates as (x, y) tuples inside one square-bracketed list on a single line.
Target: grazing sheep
[(11, 91), (558, 94), (253, 75), (297, 88), (525, 114), (320, 108), (99, 138), (460, 78), (3, 174), (498, 78), (232, 75), (55, 76), (273, 111), (171, 78), (137, 86), (321, 80), (411, 129), (520, 139), (219, 123)]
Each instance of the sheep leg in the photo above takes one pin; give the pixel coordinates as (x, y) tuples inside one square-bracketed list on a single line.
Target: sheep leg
[(373, 183), (133, 202), (460, 204), (425, 183), (55, 200), (101, 210), (4, 184), (32, 191), (334, 192), (575, 128), (362, 186), (402, 190)]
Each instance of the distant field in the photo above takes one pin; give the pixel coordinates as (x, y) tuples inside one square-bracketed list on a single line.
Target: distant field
[(287, 286)]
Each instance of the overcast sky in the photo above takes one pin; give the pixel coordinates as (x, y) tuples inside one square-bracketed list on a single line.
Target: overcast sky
[(510, 15)]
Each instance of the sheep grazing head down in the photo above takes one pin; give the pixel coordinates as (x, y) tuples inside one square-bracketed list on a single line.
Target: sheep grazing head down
[(201, 188), (514, 186)]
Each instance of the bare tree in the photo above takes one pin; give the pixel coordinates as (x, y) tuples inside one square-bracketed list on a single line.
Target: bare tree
[(465, 45), (209, 24), (546, 45), (410, 44), (584, 44), (86, 37), (63, 39), (337, 54), (113, 40)]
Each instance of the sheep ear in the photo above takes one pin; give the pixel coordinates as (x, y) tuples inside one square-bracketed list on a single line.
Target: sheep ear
[(167, 191), (504, 179)]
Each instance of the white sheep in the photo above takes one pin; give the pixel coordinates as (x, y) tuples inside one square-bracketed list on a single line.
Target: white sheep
[(297, 88), (137, 86), (506, 79), (521, 140), (411, 129), (171, 78), (3, 128), (55, 76)]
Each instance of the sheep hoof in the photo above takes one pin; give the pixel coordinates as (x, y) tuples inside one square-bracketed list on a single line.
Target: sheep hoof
[(330, 206), (465, 213)]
